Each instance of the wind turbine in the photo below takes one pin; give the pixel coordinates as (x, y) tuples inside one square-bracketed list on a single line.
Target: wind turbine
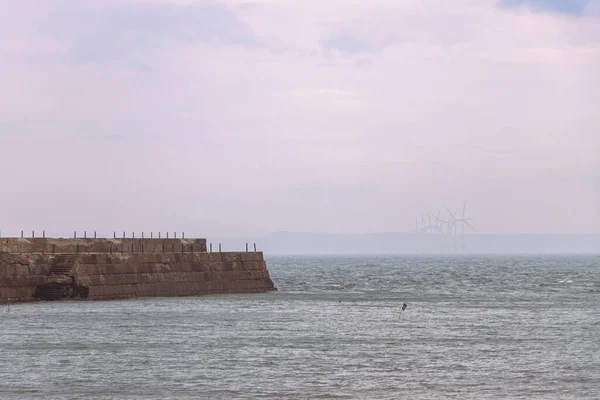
[(452, 221), (452, 226), (463, 221), (439, 223)]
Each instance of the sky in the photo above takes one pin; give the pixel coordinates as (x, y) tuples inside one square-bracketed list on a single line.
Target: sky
[(247, 117)]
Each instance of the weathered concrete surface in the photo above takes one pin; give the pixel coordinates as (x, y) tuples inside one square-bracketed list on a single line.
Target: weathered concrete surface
[(52, 245), (30, 275)]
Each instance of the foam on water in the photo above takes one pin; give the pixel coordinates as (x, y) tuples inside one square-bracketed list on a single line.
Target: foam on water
[(475, 328)]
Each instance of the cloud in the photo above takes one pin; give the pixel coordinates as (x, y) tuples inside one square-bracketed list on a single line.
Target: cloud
[(125, 30), (346, 43), (570, 7)]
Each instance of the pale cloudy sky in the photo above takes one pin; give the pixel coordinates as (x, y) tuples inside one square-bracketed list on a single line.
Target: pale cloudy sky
[(241, 117)]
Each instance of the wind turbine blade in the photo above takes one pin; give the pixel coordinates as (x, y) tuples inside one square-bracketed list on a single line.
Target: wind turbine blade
[(469, 225), (452, 216)]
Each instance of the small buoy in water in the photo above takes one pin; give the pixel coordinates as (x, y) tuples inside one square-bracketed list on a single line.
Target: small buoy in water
[(404, 306)]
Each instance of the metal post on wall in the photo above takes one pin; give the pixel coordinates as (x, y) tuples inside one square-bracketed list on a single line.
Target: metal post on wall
[(255, 247), (21, 234), (142, 236), (133, 235), (175, 235), (94, 234), (123, 234), (43, 234), (219, 247), (32, 234), (183, 235), (167, 235), (211, 247), (74, 234), (85, 234), (246, 247)]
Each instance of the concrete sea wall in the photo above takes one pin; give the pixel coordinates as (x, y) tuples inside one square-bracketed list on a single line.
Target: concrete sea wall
[(102, 269)]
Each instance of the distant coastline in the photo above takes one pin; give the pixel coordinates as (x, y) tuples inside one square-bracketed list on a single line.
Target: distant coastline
[(300, 243)]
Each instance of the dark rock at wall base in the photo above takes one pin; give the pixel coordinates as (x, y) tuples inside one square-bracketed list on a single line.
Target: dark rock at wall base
[(61, 291)]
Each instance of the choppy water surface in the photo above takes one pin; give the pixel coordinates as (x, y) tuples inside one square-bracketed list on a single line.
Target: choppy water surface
[(475, 327)]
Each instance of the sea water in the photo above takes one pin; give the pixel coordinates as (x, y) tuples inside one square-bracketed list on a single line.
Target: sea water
[(497, 327)]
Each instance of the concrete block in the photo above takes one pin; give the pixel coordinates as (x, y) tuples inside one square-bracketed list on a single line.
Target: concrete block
[(215, 257), (89, 259), (113, 279), (95, 291), (168, 258), (132, 279), (86, 269), (231, 257), (114, 290), (164, 288), (250, 265), (202, 257), (144, 278), (160, 267), (20, 270), (11, 270), (146, 289), (25, 292), (227, 266), (197, 267), (216, 266), (130, 290), (110, 269), (19, 281), (38, 269), (248, 256), (182, 267), (145, 268), (194, 277)]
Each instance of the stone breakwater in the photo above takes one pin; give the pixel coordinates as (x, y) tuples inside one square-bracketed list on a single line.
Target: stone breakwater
[(103, 269)]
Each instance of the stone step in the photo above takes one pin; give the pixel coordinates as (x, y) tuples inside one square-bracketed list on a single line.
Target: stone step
[(62, 271), (62, 267)]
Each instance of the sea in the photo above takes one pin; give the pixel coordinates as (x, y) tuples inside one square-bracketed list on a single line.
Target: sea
[(474, 327)]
